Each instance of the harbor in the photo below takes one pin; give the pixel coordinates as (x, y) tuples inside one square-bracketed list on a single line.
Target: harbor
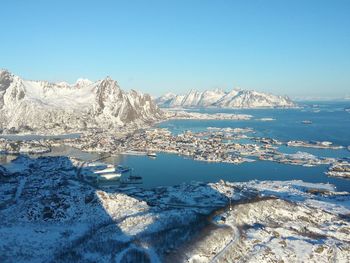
[(234, 149), (100, 174)]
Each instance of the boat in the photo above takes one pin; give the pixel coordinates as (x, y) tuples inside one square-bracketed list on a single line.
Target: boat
[(108, 169), (96, 165), (123, 169), (306, 122), (134, 177), (151, 154), (110, 176), (131, 152)]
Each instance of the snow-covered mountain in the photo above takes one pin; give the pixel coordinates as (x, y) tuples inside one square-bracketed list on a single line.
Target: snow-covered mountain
[(236, 98), (41, 105)]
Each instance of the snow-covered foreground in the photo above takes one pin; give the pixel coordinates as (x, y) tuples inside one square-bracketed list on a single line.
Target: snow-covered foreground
[(49, 214)]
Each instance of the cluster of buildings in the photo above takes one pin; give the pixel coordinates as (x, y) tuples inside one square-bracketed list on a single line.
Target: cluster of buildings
[(222, 145), (17, 147), (212, 145), (314, 144), (203, 146), (340, 168), (299, 158)]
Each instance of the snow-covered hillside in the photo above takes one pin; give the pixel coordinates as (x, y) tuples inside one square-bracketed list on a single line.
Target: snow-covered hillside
[(48, 213), (27, 105), (236, 98)]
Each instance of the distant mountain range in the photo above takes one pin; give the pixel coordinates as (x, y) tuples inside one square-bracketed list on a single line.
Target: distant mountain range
[(237, 98), (44, 106)]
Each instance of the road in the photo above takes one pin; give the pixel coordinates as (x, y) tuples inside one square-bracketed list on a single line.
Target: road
[(235, 238)]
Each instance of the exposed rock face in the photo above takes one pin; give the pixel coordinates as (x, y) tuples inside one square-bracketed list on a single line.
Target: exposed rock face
[(41, 105), (5, 82), (217, 98)]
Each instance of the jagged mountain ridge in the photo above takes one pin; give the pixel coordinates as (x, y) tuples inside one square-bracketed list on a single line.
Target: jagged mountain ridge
[(236, 98), (40, 105)]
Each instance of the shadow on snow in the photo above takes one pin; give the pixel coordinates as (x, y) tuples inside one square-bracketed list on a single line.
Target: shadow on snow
[(156, 232)]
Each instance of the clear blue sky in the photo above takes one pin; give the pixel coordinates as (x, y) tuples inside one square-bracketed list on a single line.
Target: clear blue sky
[(295, 47)]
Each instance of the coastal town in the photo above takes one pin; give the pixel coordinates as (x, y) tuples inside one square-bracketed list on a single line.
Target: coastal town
[(222, 145)]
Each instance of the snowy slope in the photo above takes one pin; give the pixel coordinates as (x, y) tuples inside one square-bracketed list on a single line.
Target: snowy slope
[(236, 98), (49, 214), (38, 105)]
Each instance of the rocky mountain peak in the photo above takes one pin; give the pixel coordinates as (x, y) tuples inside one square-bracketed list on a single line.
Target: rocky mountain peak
[(236, 98), (81, 82), (51, 106), (5, 79)]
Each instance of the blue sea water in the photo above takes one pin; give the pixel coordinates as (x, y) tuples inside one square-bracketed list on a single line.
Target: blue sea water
[(170, 169), (330, 122)]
